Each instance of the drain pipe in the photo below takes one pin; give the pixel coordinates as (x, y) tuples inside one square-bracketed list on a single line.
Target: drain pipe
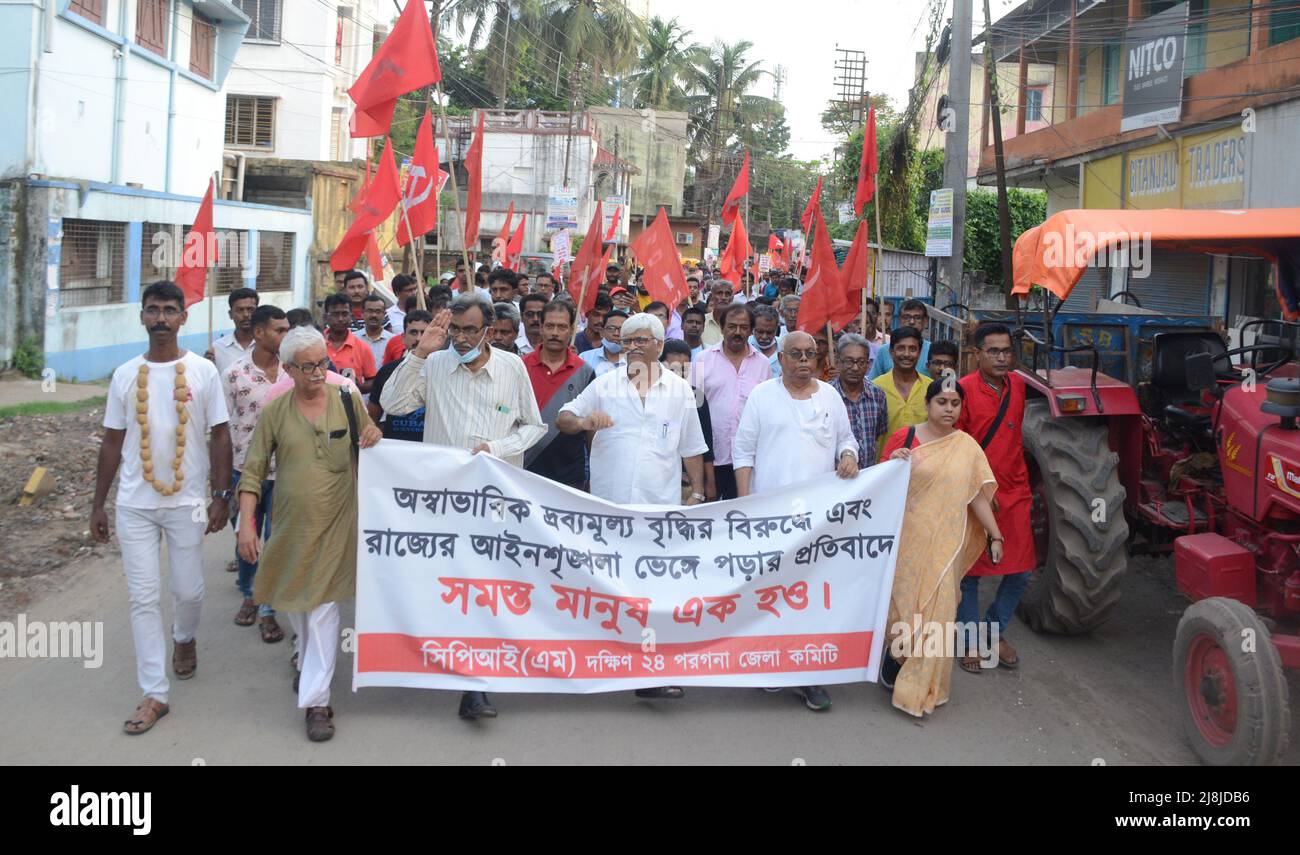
[(119, 95), (239, 172), (171, 99)]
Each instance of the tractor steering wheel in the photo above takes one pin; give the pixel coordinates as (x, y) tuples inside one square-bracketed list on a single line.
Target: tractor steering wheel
[(1288, 355)]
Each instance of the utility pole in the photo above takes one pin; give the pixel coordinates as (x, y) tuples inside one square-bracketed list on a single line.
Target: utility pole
[(955, 156), (995, 112)]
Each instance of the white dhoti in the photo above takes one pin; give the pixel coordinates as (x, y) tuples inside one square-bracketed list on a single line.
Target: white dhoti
[(141, 533), (318, 648)]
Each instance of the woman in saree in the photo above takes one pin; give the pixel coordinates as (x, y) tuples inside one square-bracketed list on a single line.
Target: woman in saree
[(947, 522)]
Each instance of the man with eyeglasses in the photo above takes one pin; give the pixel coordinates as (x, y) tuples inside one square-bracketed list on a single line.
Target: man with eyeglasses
[(794, 428), (609, 355), (865, 402), (646, 428), (726, 373), (993, 413), (530, 317), (350, 355), (475, 397), (911, 314), (558, 376)]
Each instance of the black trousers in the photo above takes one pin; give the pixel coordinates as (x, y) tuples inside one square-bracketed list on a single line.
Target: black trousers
[(724, 478)]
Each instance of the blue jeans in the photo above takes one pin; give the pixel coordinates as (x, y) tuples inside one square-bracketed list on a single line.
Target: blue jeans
[(1010, 589), (262, 515)]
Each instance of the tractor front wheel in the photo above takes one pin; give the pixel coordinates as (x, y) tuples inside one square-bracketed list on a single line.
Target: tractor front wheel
[(1234, 705), (1078, 521)]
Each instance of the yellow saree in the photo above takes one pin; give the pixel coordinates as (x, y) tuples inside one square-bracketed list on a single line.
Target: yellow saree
[(941, 539)]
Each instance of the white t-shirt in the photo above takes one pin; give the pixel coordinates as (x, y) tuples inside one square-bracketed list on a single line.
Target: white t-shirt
[(206, 409)]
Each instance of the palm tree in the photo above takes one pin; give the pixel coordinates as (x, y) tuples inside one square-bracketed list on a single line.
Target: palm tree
[(602, 37), (502, 27), (661, 67), (718, 79)]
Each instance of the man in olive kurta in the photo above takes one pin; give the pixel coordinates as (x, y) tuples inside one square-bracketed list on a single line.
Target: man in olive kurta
[(309, 564)]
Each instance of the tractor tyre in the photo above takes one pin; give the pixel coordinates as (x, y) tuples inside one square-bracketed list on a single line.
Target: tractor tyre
[(1080, 532), (1234, 707)]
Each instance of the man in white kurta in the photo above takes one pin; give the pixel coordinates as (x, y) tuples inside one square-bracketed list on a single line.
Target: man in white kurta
[(794, 428)]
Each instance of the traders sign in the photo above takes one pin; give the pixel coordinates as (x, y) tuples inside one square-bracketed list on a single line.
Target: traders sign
[(1153, 87)]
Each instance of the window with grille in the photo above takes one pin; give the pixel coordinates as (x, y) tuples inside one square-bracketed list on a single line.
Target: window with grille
[(91, 10), (275, 261), (232, 255), (160, 251), (92, 269), (202, 42), (1033, 105), (151, 25), (250, 121), (265, 18)]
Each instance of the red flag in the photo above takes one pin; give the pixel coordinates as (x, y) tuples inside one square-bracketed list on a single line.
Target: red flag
[(731, 207), (657, 252), (814, 202), (474, 173), (854, 275), (613, 224), (776, 249), (738, 249), (381, 199), (515, 247), (823, 293), (868, 167), (503, 237), (199, 252), (407, 60), (587, 270), (423, 180), (374, 257)]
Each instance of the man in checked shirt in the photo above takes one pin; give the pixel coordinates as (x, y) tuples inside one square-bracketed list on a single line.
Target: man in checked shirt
[(866, 402)]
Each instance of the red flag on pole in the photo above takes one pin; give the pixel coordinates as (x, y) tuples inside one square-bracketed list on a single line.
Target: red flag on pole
[(731, 207), (423, 181), (381, 199), (515, 247), (868, 167), (474, 186), (407, 60), (814, 202), (199, 252), (776, 249), (373, 256), (738, 249), (854, 275), (587, 270), (656, 249), (823, 293), (613, 224), (503, 238)]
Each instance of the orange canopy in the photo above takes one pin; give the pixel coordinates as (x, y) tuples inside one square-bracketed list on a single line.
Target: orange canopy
[(1055, 253)]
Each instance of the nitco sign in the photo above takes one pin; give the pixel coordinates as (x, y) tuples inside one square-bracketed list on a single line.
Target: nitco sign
[(1153, 87)]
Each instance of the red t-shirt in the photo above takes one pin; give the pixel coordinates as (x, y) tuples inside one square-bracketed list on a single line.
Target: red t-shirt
[(352, 353), (395, 349), (545, 382), (1006, 456)]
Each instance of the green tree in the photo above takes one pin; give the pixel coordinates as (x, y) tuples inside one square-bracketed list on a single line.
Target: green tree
[(660, 68), (601, 37), (500, 29), (983, 248)]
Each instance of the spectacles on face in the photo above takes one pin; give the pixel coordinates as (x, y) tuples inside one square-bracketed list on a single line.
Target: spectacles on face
[(312, 368), (168, 312), (854, 363), (340, 315), (639, 342), (801, 355), (998, 352), (913, 319), (468, 332)]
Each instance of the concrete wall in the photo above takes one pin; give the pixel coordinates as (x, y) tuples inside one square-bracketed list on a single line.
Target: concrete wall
[(1271, 179), (88, 342), (301, 74), (655, 142)]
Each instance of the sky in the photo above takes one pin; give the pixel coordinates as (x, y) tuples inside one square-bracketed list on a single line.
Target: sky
[(803, 36)]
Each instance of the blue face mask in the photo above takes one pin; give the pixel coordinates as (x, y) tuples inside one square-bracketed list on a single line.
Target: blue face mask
[(613, 346), (473, 353)]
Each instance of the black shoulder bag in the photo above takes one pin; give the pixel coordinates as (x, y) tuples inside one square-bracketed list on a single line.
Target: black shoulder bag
[(997, 420)]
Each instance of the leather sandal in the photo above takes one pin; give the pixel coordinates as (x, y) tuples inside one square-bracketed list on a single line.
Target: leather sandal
[(320, 726), (185, 659), (247, 613), (270, 627), (146, 715)]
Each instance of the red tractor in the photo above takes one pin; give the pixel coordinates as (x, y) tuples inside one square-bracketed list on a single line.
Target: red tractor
[(1196, 449)]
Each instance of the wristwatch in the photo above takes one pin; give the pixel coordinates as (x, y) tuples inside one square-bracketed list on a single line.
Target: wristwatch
[(699, 497), (223, 495)]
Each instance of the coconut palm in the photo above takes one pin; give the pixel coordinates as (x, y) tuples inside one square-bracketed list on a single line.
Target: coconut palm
[(601, 37), (657, 81), (501, 28), (717, 79)]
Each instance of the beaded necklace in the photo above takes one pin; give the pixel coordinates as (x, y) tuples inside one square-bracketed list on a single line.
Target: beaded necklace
[(142, 417)]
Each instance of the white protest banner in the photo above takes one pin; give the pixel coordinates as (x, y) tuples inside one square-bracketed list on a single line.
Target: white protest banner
[(474, 574)]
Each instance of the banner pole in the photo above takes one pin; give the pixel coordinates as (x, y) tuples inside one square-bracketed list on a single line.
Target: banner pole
[(417, 251)]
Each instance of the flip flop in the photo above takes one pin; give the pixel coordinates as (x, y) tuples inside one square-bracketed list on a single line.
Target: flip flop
[(1011, 663)]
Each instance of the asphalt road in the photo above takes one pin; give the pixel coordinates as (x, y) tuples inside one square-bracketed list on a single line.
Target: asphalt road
[(1074, 701)]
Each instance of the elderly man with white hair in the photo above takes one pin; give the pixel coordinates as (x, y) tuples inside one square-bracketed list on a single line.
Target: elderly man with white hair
[(794, 429), (310, 565), (646, 428), (475, 396)]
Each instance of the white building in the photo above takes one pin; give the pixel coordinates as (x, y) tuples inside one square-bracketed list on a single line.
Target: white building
[(287, 95), (115, 125)]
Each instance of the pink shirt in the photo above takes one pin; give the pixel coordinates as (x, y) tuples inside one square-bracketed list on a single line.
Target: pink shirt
[(285, 384), (727, 390)]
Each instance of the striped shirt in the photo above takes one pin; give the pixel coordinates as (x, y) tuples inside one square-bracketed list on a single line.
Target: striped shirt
[(463, 408)]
